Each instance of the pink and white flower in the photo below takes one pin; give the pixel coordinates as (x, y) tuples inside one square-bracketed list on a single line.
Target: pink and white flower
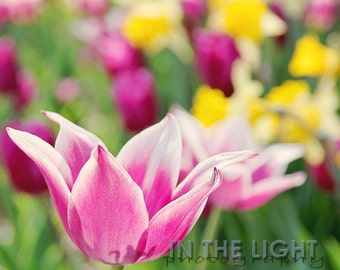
[(124, 209)]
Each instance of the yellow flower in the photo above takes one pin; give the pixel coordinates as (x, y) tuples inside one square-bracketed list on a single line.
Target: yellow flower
[(209, 105), (155, 24), (244, 19), (311, 58), (294, 114)]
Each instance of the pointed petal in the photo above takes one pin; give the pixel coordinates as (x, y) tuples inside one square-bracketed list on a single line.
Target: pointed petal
[(152, 158), (52, 166), (231, 134), (73, 142), (175, 220), (274, 160), (107, 213), (193, 132), (204, 169), (266, 190), (236, 179)]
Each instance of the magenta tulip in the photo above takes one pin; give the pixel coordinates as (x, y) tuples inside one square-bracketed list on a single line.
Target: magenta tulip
[(215, 55), (134, 94), (124, 209), (8, 65), (26, 89), (194, 11), (117, 54), (23, 173)]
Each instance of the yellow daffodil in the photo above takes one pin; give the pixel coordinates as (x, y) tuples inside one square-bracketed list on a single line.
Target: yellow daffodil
[(294, 114), (249, 19), (154, 24), (209, 105), (311, 58)]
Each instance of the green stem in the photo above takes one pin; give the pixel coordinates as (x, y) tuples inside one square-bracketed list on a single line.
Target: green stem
[(209, 233), (117, 267)]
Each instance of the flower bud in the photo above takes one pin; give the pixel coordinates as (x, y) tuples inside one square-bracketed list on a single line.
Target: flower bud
[(117, 54), (23, 173), (26, 89), (8, 65), (215, 54), (135, 96)]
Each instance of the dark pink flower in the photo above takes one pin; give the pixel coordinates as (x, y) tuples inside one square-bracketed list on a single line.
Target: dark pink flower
[(134, 94), (215, 55), (26, 89), (23, 173), (117, 54), (8, 65), (194, 11)]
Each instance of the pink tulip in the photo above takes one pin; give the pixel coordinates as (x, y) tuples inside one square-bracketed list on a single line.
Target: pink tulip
[(215, 55), (117, 54), (22, 10), (134, 94), (23, 173), (8, 65), (124, 209), (199, 142), (321, 14), (250, 184), (194, 11), (92, 7)]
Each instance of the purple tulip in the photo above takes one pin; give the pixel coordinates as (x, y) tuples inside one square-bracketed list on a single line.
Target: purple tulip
[(215, 55), (117, 54), (124, 209), (23, 173), (8, 65), (135, 96), (250, 184)]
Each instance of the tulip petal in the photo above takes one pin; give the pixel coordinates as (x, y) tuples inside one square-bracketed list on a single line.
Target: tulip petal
[(231, 134), (236, 179), (267, 189), (52, 166), (175, 220), (193, 132), (274, 160), (152, 158), (73, 142), (204, 169), (107, 213)]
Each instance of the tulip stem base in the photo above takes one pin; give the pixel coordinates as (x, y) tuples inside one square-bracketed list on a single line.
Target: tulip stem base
[(117, 267), (209, 233)]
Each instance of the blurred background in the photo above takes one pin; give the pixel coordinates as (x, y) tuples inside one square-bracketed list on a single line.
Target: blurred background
[(117, 67)]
